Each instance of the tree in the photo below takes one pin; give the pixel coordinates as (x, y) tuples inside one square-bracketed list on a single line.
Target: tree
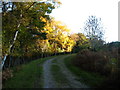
[(58, 36), (94, 31), (22, 23), (81, 42)]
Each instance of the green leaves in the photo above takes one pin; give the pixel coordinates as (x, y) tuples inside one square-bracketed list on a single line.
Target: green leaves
[(28, 15)]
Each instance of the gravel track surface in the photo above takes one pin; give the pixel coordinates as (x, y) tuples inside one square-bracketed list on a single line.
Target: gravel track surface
[(48, 78)]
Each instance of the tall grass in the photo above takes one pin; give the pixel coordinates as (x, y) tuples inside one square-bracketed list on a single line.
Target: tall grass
[(89, 78), (104, 63), (93, 61)]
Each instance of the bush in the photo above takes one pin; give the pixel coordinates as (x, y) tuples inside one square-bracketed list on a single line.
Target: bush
[(112, 81), (6, 74), (93, 61)]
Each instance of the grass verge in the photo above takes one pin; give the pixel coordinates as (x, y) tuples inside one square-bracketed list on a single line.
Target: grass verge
[(27, 74), (89, 78)]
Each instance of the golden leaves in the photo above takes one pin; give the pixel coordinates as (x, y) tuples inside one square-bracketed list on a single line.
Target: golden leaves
[(43, 19)]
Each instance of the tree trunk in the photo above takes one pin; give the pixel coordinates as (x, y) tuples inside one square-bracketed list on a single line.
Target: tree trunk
[(11, 46)]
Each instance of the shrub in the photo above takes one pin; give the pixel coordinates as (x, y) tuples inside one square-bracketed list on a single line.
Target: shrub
[(93, 61), (112, 81), (6, 74)]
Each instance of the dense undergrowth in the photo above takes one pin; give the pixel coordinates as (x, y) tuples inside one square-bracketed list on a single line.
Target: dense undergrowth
[(93, 61), (102, 63), (89, 78)]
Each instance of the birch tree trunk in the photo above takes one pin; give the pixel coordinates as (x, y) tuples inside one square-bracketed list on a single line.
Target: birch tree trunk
[(16, 34), (11, 46), (6, 55)]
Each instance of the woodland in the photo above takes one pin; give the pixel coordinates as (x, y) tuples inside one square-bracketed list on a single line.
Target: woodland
[(30, 33)]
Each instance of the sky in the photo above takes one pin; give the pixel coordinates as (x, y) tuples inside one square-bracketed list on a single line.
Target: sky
[(74, 13)]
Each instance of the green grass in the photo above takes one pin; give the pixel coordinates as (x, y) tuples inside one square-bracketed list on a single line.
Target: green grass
[(58, 75), (27, 75), (89, 78), (54, 61)]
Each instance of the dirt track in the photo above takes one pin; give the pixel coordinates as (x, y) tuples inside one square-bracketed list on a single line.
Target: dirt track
[(48, 78)]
